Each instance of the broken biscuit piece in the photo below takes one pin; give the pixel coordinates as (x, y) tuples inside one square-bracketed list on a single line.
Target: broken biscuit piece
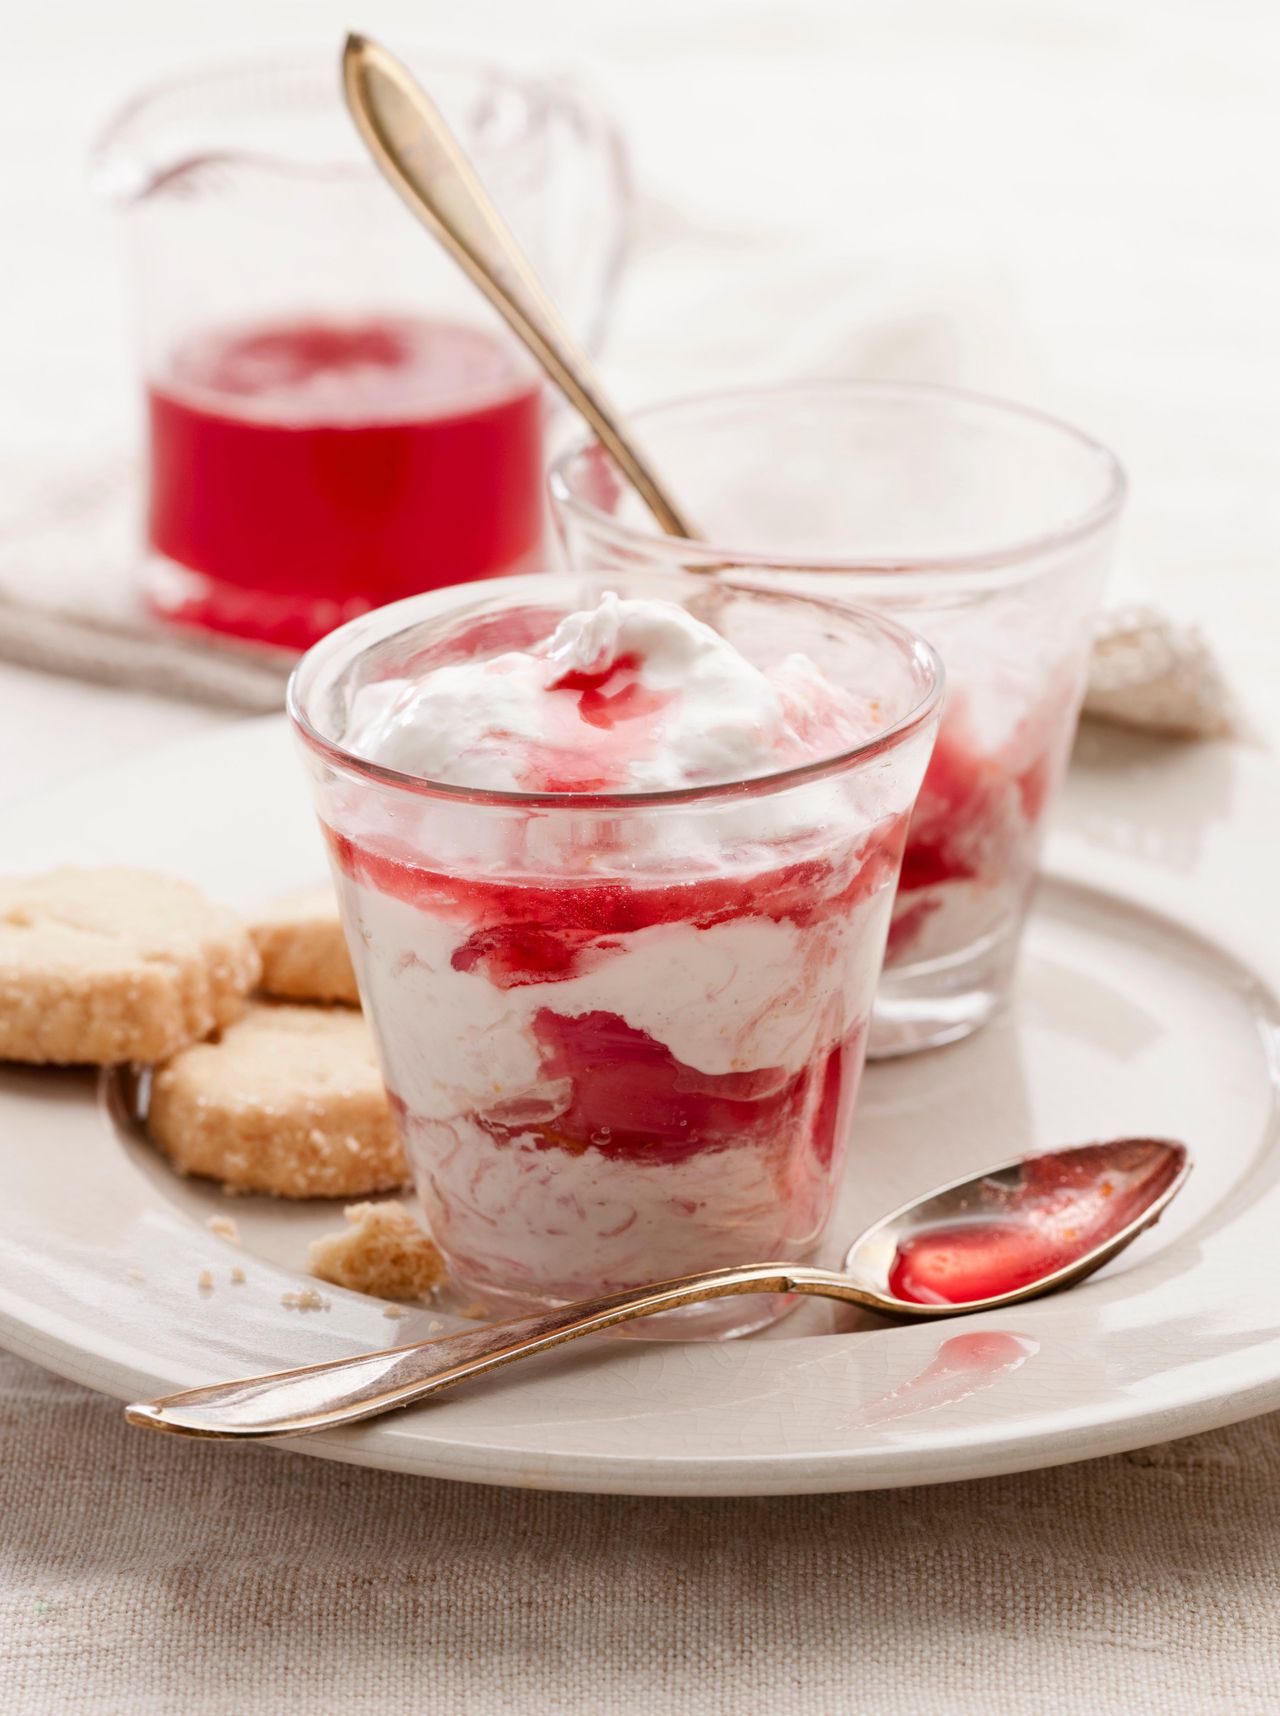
[(383, 1250)]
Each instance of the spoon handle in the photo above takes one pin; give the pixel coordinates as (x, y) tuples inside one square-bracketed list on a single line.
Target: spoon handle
[(417, 152), (322, 1396)]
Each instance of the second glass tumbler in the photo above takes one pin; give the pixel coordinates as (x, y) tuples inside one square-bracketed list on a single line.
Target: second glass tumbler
[(985, 527)]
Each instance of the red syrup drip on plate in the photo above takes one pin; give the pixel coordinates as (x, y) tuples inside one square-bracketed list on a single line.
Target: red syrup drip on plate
[(963, 1366), (1065, 1206)]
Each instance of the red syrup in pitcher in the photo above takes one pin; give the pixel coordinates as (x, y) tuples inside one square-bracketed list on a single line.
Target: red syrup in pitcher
[(304, 472)]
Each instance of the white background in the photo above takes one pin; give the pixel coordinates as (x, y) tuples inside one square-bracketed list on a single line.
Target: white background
[(1073, 201)]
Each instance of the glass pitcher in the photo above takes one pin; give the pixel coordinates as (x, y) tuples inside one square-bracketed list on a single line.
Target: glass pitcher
[(335, 417)]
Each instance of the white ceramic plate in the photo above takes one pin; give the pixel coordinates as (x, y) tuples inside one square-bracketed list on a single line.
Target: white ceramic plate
[(1145, 1004)]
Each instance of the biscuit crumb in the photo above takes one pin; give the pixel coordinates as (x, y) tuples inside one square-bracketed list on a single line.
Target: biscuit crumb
[(135, 1275), (289, 1101), (383, 1250), (205, 1281), (393, 1311), (303, 950), (237, 1276), (224, 1227), (304, 1299)]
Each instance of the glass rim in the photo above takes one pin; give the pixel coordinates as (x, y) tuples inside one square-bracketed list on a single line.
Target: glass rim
[(351, 638), (114, 179), (904, 568)]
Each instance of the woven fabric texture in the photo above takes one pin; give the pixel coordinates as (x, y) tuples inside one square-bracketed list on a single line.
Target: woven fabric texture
[(143, 1576)]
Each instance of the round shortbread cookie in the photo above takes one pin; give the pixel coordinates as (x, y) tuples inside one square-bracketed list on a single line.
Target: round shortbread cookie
[(110, 965), (303, 950), (289, 1100)]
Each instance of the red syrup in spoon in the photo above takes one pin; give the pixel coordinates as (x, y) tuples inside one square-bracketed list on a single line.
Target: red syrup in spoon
[(1062, 1207)]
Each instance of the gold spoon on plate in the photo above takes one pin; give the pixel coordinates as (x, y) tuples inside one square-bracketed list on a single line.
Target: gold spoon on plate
[(1021, 1230), (415, 149)]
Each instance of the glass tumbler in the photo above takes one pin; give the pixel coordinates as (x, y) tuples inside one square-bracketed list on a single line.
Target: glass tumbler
[(335, 417), (622, 1032), (985, 527)]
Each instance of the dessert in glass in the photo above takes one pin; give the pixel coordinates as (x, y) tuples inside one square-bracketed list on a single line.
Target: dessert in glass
[(616, 860), (334, 418), (982, 525)]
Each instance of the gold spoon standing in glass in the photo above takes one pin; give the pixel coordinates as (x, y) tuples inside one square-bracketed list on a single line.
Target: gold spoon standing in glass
[(409, 140), (1019, 1231)]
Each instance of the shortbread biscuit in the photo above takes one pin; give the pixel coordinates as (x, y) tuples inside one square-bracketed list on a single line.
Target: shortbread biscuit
[(303, 950), (288, 1100), (115, 965), (383, 1250)]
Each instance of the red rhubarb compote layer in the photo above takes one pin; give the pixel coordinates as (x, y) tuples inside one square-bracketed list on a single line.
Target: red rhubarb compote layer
[(977, 827)]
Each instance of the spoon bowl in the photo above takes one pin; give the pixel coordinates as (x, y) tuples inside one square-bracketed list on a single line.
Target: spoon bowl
[(1027, 1227)]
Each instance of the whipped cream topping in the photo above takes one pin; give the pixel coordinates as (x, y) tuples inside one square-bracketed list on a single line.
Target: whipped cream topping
[(632, 695)]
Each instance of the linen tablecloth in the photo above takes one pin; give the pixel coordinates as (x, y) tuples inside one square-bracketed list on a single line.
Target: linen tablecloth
[(145, 1577)]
